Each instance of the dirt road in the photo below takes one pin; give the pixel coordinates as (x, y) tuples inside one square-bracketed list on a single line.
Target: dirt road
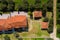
[(54, 18)]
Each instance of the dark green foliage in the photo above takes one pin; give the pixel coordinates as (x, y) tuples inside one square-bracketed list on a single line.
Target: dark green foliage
[(24, 5), (45, 20), (50, 5), (16, 35), (58, 1), (50, 27), (7, 37), (58, 30), (58, 18), (58, 21), (37, 1), (1, 14), (49, 39)]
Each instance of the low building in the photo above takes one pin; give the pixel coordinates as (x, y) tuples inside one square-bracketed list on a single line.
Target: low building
[(13, 22), (37, 14), (44, 25), (2, 23), (4, 16), (17, 21)]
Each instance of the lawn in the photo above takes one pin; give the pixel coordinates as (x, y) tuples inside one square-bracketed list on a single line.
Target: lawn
[(38, 39), (35, 31), (33, 39)]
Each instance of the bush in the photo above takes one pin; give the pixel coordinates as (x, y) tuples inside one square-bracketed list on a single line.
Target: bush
[(16, 35), (45, 20), (29, 13), (58, 30), (50, 27), (49, 39), (1, 14), (7, 37), (58, 21)]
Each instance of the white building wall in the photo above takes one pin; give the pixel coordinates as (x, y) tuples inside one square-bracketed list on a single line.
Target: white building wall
[(5, 16)]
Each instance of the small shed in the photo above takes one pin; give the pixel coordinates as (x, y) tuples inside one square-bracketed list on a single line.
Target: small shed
[(44, 25), (37, 14)]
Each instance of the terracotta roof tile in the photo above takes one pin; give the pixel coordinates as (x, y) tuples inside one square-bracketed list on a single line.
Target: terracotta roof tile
[(44, 25), (2, 23), (13, 22), (37, 13), (17, 21)]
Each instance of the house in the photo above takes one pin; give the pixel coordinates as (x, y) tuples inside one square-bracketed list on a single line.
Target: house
[(37, 14), (2, 23), (13, 13), (23, 13), (17, 21), (13, 22), (4, 16), (18, 13), (44, 25)]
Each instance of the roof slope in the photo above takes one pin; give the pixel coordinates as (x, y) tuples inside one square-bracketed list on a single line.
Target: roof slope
[(37, 13), (44, 25), (13, 22)]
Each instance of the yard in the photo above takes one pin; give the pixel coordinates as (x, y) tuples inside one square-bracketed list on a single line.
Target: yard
[(34, 31), (33, 39)]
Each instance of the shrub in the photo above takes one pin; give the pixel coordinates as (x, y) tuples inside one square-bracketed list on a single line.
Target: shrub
[(16, 35), (50, 27), (49, 39), (29, 13), (58, 30), (45, 20), (7, 37)]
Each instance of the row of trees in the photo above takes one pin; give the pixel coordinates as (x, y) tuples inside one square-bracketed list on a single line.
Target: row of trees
[(58, 18), (50, 27), (58, 12), (9, 5), (6, 5)]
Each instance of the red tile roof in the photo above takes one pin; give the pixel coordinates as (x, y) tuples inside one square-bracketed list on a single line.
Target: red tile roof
[(2, 22), (17, 21), (13, 22), (44, 25), (1, 28), (37, 13)]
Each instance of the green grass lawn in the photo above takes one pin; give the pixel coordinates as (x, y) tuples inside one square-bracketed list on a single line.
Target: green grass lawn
[(33, 38), (38, 39), (35, 31)]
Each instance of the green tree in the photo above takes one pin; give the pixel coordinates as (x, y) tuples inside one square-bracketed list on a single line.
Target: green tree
[(6, 37), (50, 27), (25, 5), (50, 5), (11, 5)]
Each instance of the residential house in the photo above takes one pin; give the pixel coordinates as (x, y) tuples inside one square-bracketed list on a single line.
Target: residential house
[(37, 14), (44, 25), (13, 22)]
